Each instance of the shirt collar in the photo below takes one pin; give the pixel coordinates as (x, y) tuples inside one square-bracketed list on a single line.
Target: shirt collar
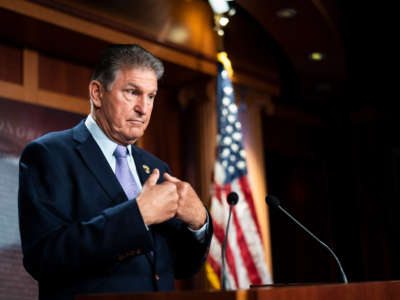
[(106, 145)]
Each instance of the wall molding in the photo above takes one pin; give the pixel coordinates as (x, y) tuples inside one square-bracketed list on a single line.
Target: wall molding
[(85, 27), (29, 91)]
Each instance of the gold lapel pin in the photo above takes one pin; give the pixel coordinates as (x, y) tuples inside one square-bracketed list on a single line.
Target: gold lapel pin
[(146, 169)]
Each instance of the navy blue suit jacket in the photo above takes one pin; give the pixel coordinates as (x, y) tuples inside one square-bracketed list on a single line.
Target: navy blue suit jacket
[(79, 232)]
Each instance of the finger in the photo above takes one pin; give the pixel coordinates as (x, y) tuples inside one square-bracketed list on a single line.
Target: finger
[(171, 178), (152, 180)]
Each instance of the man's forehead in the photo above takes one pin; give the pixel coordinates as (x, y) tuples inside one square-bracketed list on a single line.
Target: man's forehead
[(138, 71), (137, 77)]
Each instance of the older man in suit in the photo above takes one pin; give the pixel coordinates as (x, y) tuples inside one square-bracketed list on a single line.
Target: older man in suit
[(98, 214)]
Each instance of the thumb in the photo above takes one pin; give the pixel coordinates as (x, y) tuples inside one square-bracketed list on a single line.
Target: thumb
[(170, 178), (152, 180)]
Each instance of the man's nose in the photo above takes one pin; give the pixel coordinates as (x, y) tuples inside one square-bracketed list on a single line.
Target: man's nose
[(141, 105)]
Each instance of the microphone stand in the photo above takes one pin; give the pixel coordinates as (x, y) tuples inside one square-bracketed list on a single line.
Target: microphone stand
[(275, 203), (344, 277), (232, 200)]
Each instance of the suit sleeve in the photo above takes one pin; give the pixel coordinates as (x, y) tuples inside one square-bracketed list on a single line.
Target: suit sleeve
[(188, 252), (53, 240)]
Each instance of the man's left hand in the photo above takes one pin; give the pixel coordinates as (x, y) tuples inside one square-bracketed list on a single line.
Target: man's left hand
[(190, 208)]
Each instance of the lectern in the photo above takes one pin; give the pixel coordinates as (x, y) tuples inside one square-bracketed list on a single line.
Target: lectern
[(386, 290)]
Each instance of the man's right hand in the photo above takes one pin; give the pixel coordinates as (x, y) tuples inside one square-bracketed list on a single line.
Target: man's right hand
[(157, 202)]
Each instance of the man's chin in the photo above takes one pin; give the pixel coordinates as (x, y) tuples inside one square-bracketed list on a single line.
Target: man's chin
[(133, 136)]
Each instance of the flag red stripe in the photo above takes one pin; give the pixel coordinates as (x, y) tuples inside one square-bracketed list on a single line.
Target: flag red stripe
[(230, 260), (218, 232), (218, 189), (217, 192), (244, 185), (247, 258)]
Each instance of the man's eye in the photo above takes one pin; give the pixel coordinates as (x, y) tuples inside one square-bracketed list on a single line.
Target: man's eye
[(131, 91)]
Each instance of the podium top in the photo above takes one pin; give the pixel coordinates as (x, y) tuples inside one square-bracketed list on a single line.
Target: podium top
[(382, 290)]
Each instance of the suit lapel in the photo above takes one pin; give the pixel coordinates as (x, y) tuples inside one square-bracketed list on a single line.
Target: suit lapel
[(97, 163)]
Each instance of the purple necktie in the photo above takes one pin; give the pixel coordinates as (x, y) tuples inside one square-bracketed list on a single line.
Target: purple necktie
[(124, 174)]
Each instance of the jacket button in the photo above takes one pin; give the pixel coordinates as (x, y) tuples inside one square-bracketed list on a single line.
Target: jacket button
[(157, 277)]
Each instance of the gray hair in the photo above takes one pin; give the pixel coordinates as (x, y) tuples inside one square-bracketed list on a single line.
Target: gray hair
[(116, 57)]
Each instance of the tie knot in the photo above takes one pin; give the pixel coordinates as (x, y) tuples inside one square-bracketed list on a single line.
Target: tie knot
[(121, 151)]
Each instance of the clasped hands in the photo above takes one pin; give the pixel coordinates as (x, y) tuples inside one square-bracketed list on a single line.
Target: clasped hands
[(172, 198)]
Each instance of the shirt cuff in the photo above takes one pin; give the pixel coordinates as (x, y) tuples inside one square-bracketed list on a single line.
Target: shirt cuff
[(200, 234)]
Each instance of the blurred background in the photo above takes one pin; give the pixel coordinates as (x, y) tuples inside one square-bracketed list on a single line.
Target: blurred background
[(314, 84)]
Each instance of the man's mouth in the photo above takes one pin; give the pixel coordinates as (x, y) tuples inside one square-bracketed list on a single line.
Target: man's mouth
[(136, 122)]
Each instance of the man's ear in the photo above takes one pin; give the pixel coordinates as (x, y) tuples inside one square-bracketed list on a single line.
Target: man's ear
[(96, 92)]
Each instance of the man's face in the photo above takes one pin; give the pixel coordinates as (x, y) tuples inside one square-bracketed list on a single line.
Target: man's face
[(124, 111)]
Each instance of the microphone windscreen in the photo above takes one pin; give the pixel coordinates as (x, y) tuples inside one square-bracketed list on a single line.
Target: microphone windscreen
[(232, 198), (273, 201)]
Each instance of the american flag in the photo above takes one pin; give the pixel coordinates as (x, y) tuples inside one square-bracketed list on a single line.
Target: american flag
[(245, 260)]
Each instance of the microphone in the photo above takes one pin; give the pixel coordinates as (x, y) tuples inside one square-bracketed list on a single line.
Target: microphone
[(274, 202), (232, 199)]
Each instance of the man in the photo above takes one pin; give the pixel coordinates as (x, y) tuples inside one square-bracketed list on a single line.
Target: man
[(98, 214)]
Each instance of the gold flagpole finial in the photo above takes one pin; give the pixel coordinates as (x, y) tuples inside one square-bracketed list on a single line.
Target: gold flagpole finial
[(223, 59)]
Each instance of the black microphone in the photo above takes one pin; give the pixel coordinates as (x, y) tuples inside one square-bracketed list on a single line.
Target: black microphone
[(274, 202), (232, 199)]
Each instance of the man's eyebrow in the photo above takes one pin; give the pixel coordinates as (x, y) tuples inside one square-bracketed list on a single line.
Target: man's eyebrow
[(133, 85), (139, 88)]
